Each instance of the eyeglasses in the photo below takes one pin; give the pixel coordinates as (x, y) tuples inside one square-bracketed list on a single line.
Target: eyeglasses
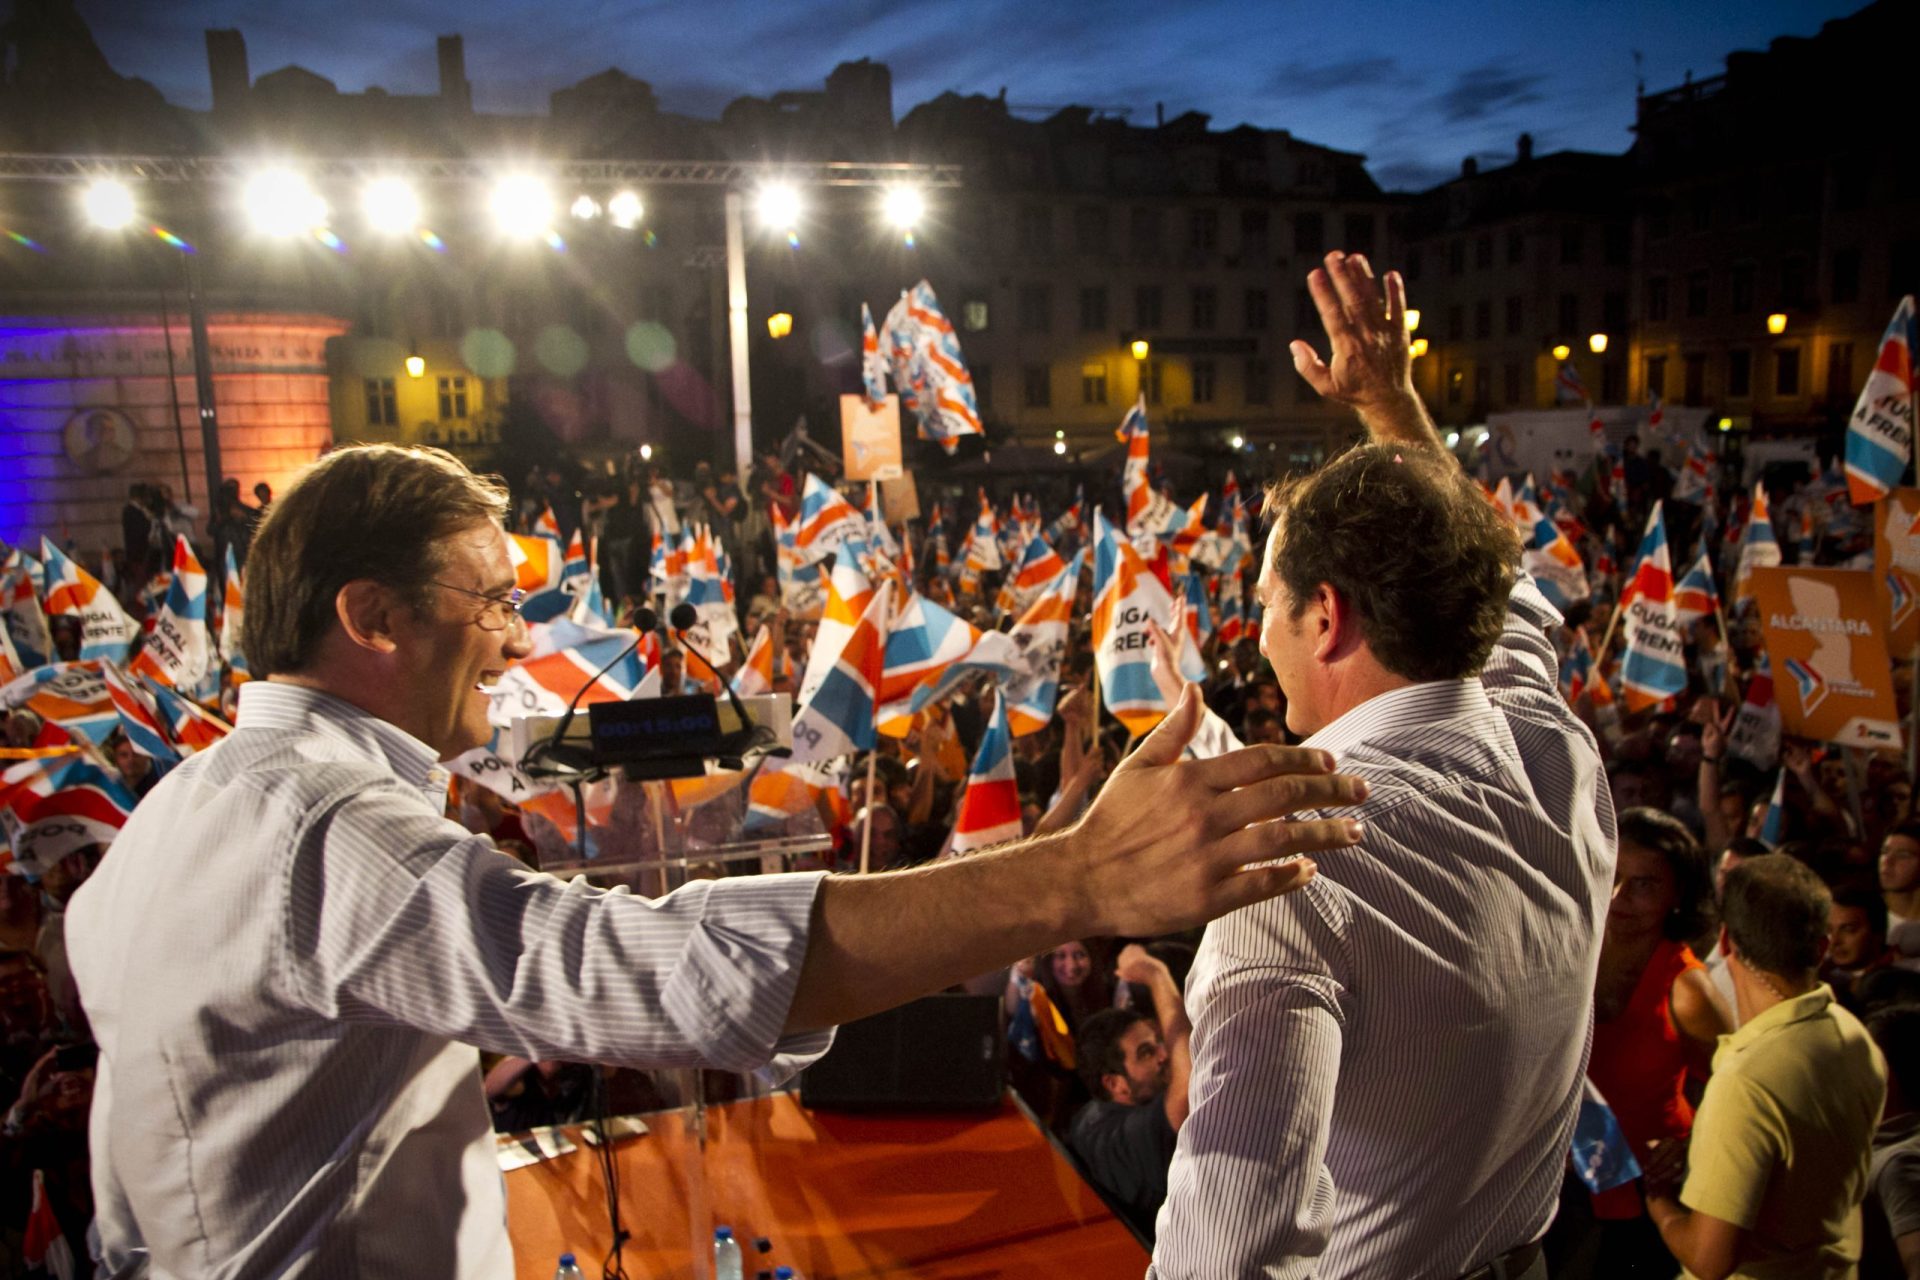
[(500, 611)]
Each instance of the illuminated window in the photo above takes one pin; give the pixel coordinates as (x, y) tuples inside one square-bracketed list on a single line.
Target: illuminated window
[(382, 408), (453, 398), (1093, 384), (974, 316)]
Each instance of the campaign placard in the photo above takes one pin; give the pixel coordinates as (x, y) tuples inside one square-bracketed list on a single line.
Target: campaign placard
[(1826, 637)]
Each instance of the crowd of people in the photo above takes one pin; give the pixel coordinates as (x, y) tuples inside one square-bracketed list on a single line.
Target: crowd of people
[(1757, 997)]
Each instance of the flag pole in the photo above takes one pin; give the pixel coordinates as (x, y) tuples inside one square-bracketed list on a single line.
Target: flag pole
[(1606, 641), (873, 755)]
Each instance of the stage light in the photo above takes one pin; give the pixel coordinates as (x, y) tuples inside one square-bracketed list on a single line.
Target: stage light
[(108, 204), (625, 210), (779, 207), (281, 202), (522, 207), (904, 207), (1597, 343), (1453, 439), (1777, 323), (391, 206), (1561, 351), (780, 324), (586, 208), (1413, 319)]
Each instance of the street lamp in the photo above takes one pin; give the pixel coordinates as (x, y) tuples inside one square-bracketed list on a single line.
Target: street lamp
[(1418, 348), (1140, 348), (779, 324), (416, 364), (1413, 319), (1060, 448), (1561, 351), (108, 204), (1597, 343), (1777, 323)]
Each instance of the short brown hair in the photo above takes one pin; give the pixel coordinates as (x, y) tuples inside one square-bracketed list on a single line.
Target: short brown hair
[(375, 511), (1776, 912), (1402, 534)]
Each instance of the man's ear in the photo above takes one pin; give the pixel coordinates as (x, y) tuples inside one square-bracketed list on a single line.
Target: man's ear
[(369, 613), (1118, 1088), (1337, 624)]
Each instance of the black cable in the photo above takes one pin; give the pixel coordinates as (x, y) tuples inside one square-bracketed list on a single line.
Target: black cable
[(645, 622), (614, 1265)]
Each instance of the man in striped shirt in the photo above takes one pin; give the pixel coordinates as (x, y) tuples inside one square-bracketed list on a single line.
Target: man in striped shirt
[(1387, 1064), (291, 953)]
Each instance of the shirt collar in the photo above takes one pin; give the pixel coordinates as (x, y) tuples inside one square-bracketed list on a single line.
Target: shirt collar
[(1425, 703), (1811, 1005), (270, 705)]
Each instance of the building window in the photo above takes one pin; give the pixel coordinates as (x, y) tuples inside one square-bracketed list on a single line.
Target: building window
[(1036, 308), (1510, 379), (1516, 314), (1840, 386), (1740, 288), (1036, 386), (1696, 293), (453, 399), (1739, 373), (1093, 384), (1483, 318), (1259, 381), (1090, 229), (1846, 276), (1573, 246), (1657, 298), (1456, 257), (1657, 376), (1610, 379), (1256, 310), (1456, 385), (1617, 244), (1793, 281), (382, 408), (1093, 308), (982, 385), (1146, 306), (1786, 371), (1150, 381), (1694, 379), (973, 315), (1309, 234), (1206, 307), (1483, 253), (1035, 228), (1358, 228), (1203, 230), (1253, 232), (1613, 311), (1570, 314), (1516, 247), (1456, 322), (1203, 381), (1143, 230), (1482, 387)]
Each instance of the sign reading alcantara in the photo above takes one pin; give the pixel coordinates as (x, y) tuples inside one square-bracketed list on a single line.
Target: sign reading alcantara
[(1826, 636)]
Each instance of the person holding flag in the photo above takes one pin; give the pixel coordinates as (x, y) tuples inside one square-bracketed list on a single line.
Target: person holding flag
[(292, 934)]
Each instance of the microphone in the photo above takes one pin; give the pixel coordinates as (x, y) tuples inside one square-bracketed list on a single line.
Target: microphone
[(751, 734), (644, 620)]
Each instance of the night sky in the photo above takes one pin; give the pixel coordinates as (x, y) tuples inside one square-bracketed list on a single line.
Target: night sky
[(1413, 86)]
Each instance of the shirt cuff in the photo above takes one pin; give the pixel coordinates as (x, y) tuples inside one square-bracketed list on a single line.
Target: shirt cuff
[(735, 984)]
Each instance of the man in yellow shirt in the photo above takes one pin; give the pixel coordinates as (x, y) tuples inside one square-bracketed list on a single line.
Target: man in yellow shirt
[(1783, 1137)]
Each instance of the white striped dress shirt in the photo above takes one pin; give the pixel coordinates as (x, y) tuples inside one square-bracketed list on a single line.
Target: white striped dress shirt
[(1387, 1063), (288, 956)]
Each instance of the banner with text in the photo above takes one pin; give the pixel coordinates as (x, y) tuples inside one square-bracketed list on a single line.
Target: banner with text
[(1896, 568), (1827, 639)]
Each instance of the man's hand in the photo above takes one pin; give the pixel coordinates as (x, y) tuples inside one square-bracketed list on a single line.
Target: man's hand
[(1370, 363), (1138, 965), (1665, 1167), (1167, 844)]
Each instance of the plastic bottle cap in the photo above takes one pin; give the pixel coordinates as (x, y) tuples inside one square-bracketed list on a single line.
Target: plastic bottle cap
[(783, 1273), (723, 1233), (568, 1260)]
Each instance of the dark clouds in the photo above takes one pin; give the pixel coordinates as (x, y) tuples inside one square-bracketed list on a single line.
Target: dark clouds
[(1487, 91)]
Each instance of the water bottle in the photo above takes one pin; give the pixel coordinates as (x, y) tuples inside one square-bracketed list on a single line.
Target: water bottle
[(726, 1255), (568, 1269)]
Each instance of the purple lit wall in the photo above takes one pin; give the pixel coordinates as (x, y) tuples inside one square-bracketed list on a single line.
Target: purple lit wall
[(85, 412)]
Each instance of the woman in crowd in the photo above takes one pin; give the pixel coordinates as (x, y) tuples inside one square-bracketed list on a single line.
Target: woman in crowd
[(1657, 1020)]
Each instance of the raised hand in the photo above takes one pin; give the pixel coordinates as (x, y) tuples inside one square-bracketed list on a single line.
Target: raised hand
[(1369, 366)]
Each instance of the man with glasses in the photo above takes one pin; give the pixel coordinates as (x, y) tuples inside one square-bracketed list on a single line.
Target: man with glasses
[(293, 955)]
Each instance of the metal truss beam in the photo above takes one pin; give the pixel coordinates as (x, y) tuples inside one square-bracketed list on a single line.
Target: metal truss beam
[(18, 167)]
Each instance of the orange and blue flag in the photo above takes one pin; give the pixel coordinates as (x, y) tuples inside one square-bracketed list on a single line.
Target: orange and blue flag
[(1135, 484), (838, 718), (990, 806), (1695, 596), (1654, 668), (179, 650), (1880, 433), (923, 642), (1128, 601), (105, 629)]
